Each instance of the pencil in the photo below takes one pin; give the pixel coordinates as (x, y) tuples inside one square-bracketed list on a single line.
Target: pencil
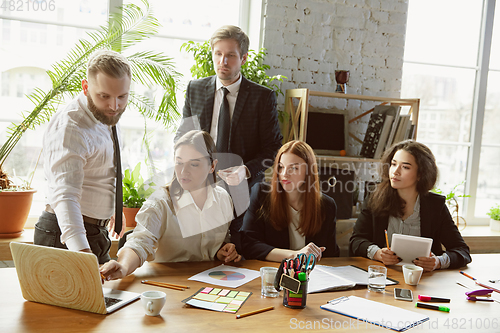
[(164, 285), (169, 284), (103, 277), (254, 312), (470, 277), (387, 240)]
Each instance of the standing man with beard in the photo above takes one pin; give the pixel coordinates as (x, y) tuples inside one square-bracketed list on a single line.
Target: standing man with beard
[(81, 164)]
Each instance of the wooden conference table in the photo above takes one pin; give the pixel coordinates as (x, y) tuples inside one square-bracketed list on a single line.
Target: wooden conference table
[(18, 315)]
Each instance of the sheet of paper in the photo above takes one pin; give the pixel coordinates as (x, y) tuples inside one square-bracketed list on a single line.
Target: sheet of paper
[(226, 276), (376, 313), (322, 279)]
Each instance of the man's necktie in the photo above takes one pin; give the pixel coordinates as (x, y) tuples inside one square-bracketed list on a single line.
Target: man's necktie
[(118, 184), (224, 124)]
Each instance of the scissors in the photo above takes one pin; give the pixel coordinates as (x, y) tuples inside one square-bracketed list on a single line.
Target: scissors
[(300, 261), (311, 262)]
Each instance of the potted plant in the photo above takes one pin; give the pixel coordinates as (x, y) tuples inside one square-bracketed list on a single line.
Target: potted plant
[(494, 215), (126, 28), (135, 192)]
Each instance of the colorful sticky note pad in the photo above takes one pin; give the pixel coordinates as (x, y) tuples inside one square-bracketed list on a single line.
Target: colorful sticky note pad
[(224, 292), (206, 297), (215, 291), (226, 300), (213, 299), (206, 290)]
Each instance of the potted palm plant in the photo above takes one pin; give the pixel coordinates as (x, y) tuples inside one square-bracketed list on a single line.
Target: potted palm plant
[(135, 192), (494, 215), (131, 25)]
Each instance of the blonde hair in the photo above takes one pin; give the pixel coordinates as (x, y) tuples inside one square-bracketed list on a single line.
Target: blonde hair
[(108, 62), (231, 32)]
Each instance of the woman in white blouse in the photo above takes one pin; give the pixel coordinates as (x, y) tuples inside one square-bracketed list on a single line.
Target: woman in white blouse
[(188, 220)]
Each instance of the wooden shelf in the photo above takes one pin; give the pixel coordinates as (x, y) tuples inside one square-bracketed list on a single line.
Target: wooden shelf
[(296, 128)]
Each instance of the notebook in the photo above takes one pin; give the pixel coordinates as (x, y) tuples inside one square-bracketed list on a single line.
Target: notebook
[(375, 313), (410, 247), (328, 278), (65, 278)]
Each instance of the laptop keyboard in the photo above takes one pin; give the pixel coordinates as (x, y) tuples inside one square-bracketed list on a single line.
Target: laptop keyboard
[(110, 301)]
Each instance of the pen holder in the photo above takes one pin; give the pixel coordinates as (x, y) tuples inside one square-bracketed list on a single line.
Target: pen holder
[(294, 300)]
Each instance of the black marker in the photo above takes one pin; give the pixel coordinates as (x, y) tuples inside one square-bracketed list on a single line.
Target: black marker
[(432, 307), (433, 299)]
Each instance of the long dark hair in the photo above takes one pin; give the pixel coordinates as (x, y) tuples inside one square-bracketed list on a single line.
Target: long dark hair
[(276, 204), (385, 200), (204, 144)]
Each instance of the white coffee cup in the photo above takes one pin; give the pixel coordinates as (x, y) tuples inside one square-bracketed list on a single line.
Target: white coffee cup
[(153, 302), (412, 274)]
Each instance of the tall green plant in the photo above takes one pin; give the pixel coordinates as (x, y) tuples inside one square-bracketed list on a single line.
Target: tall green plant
[(131, 25), (254, 68)]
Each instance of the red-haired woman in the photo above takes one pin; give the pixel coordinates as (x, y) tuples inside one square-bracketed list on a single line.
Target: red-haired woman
[(290, 215)]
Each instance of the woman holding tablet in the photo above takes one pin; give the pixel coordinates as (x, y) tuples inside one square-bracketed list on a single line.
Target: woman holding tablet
[(402, 204), (188, 220), (290, 215)]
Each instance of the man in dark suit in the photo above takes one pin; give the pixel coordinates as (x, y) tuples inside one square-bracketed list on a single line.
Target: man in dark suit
[(240, 115)]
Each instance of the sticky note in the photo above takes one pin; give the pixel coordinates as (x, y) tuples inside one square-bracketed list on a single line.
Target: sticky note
[(240, 298), (215, 291), (236, 302), (224, 292), (206, 297), (226, 300), (206, 290), (218, 307), (232, 293)]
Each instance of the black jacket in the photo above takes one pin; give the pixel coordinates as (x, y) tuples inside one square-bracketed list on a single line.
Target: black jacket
[(259, 237), (435, 223)]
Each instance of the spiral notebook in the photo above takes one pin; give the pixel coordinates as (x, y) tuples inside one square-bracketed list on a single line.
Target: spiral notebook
[(375, 313)]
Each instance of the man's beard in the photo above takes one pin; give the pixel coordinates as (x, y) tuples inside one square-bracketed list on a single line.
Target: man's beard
[(101, 115)]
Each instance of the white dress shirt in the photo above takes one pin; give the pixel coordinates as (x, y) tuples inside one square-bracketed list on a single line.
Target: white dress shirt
[(297, 240), (231, 99), (158, 235), (78, 163)]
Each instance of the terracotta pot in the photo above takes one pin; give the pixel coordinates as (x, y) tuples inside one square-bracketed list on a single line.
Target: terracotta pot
[(130, 214), (14, 210)]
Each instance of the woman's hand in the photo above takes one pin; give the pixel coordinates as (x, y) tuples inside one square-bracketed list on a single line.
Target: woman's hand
[(428, 263), (228, 253), (386, 256), (311, 248), (113, 270)]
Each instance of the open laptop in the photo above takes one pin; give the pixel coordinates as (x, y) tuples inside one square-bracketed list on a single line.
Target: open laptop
[(65, 278)]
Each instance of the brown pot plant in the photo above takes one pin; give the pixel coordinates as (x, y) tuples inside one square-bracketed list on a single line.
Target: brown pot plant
[(128, 26)]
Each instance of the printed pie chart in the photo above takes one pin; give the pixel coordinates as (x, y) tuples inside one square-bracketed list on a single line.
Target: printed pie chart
[(226, 275)]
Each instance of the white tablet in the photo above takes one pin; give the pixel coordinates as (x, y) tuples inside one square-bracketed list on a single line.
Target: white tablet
[(410, 247)]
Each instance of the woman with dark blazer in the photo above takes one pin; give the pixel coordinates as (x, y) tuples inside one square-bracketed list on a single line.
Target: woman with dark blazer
[(290, 215), (403, 204)]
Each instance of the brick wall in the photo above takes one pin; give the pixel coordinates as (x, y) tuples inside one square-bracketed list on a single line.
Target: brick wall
[(307, 40)]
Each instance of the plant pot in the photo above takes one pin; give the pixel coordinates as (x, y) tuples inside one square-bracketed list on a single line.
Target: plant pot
[(130, 214), (14, 210), (494, 225)]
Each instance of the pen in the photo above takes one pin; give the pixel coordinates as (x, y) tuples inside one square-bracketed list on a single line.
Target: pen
[(470, 277), (432, 307), (433, 299), (387, 240), (254, 312)]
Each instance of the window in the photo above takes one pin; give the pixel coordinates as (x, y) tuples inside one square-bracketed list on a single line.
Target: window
[(33, 41), (443, 66)]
